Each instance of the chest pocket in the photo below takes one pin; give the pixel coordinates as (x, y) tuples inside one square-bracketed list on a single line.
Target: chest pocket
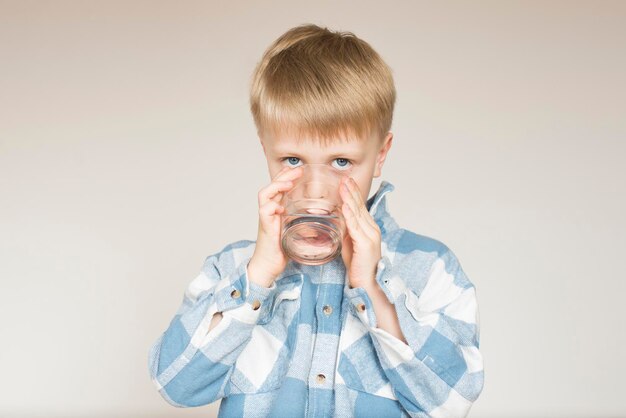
[(358, 366), (264, 361)]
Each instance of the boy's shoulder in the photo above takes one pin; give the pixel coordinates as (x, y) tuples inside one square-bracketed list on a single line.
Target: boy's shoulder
[(230, 256), (417, 257), (239, 248), (405, 241), (400, 241)]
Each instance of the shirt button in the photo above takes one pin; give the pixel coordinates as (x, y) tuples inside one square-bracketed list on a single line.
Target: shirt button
[(328, 309), (256, 304), (235, 294), (321, 378), (361, 307)]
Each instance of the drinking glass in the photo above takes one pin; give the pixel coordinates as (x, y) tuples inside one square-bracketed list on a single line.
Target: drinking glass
[(313, 226)]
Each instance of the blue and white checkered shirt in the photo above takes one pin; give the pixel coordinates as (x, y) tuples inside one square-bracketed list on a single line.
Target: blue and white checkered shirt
[(309, 349)]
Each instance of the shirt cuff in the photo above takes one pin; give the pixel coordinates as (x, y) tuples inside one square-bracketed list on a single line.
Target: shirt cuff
[(360, 302), (243, 299), (393, 286), (361, 305)]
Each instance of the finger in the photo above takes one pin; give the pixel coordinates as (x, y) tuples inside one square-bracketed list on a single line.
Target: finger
[(356, 195), (270, 208), (363, 220), (288, 173), (359, 205), (348, 198), (358, 235), (273, 190), (283, 170), (352, 223), (362, 235)]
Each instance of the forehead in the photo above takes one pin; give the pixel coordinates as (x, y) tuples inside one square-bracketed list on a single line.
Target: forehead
[(287, 144)]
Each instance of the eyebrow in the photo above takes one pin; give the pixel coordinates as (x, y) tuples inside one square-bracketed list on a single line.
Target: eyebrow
[(347, 154)]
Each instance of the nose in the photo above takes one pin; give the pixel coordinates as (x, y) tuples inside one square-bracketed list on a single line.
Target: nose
[(317, 186), (316, 190)]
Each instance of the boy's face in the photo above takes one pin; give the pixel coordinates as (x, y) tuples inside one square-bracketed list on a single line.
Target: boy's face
[(362, 159)]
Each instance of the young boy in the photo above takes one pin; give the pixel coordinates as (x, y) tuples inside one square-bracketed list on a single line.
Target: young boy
[(389, 329)]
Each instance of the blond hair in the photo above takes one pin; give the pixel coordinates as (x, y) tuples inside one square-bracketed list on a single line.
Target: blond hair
[(312, 81)]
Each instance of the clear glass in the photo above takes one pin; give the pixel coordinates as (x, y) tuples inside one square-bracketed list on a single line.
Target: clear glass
[(313, 226)]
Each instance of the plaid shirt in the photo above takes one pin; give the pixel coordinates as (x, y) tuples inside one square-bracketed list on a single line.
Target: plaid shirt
[(309, 345)]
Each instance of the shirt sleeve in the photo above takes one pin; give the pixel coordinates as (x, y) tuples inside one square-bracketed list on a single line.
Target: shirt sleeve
[(439, 372), (190, 365)]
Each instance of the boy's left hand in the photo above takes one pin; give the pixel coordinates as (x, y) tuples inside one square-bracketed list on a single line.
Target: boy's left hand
[(361, 244)]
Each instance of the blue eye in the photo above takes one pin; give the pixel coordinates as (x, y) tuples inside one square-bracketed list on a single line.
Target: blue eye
[(290, 160), (343, 163)]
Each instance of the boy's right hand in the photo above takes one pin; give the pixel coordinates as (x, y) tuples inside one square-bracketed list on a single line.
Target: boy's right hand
[(268, 260)]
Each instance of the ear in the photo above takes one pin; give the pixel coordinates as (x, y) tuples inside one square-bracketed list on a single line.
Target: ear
[(382, 154)]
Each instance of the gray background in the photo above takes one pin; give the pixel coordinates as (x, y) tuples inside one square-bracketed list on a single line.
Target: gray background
[(128, 154)]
